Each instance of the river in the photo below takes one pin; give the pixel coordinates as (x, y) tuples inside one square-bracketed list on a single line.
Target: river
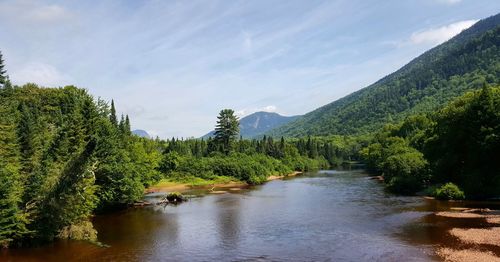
[(321, 216)]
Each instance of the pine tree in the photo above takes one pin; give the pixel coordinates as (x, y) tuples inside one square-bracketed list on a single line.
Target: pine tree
[(127, 126), (3, 73), (112, 116), (121, 125), (226, 130), (282, 147), (12, 220)]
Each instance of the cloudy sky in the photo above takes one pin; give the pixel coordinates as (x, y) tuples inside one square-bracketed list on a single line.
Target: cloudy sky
[(172, 65)]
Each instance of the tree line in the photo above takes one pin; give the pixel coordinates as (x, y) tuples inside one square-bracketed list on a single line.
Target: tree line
[(252, 161)]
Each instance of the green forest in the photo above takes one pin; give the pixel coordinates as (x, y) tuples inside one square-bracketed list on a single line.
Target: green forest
[(458, 144), (65, 156)]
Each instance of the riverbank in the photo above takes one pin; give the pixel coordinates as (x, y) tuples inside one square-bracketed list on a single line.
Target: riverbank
[(222, 182), (478, 244), (186, 184), (296, 173)]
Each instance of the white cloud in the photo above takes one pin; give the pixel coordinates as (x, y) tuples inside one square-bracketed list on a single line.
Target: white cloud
[(33, 12), (49, 13), (40, 73), (270, 108), (248, 111), (449, 2), (441, 34)]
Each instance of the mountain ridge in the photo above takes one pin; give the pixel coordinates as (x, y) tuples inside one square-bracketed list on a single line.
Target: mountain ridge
[(465, 62), (256, 124)]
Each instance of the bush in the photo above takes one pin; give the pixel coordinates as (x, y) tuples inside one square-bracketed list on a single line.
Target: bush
[(449, 191), (80, 231), (405, 185)]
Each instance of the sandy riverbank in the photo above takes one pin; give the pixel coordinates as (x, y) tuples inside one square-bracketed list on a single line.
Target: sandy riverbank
[(469, 255), (183, 187), (215, 187), (296, 173), (476, 241)]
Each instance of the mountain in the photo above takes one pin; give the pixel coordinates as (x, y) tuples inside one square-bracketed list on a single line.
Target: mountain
[(258, 123), (465, 62), (141, 133)]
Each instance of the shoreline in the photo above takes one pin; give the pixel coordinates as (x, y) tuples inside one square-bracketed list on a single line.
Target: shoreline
[(181, 187), (295, 173), (474, 240)]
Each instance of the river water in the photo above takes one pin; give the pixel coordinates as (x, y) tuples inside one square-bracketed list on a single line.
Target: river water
[(321, 216)]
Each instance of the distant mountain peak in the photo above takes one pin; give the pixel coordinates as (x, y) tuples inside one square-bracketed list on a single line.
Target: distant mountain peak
[(141, 133), (258, 123)]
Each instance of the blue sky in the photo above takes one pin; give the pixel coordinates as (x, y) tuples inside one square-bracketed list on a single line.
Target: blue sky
[(172, 65)]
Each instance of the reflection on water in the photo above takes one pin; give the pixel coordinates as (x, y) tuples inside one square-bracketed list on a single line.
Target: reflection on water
[(329, 215)]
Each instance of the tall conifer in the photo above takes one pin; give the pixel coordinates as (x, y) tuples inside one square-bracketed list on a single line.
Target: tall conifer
[(112, 116), (3, 73)]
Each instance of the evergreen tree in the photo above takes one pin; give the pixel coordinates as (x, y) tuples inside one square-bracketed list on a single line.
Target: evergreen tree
[(3, 72), (112, 116), (127, 126), (12, 220), (121, 125), (226, 130)]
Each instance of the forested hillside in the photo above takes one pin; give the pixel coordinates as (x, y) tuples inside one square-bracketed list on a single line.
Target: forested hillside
[(465, 62), (455, 148), (62, 156)]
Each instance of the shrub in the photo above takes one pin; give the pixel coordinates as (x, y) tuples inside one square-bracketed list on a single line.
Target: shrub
[(449, 191), (405, 185), (80, 231)]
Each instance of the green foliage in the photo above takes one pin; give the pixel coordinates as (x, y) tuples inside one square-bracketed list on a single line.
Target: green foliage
[(226, 130), (464, 144), (253, 169), (458, 144), (403, 167), (449, 191), (466, 62), (82, 231), (12, 219), (253, 161), (61, 157)]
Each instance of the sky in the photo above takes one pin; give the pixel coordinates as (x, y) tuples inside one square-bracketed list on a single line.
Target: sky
[(173, 65)]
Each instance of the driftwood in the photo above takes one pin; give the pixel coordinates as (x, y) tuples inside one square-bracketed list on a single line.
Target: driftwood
[(141, 203)]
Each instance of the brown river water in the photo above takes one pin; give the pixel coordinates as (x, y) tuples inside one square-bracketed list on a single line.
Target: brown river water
[(320, 216)]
